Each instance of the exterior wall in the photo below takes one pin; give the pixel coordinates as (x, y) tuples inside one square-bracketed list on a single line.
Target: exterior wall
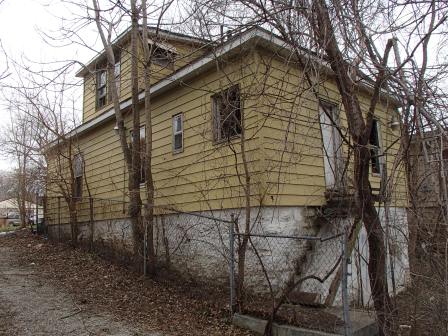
[(186, 53), (292, 141), (203, 176), (283, 142)]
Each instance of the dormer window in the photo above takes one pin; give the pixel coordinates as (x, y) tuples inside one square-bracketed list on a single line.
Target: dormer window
[(162, 54)]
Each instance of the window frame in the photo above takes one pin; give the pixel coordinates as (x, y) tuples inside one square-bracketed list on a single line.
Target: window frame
[(99, 87), (78, 175), (376, 150), (217, 115), (106, 96), (117, 74), (181, 132)]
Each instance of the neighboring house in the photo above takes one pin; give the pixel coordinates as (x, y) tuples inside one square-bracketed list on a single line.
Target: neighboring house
[(428, 166), (9, 211), (300, 170)]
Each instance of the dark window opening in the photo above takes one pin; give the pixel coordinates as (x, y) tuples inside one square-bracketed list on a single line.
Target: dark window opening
[(163, 57), (374, 140), (226, 108), (103, 96), (78, 173), (101, 88)]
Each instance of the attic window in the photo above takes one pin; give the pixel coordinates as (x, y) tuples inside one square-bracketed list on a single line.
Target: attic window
[(226, 109), (162, 54)]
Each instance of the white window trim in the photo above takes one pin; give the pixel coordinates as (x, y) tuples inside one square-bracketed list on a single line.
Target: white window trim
[(174, 117), (380, 150)]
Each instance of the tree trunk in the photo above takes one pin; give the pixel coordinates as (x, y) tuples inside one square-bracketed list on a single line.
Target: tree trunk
[(149, 207)]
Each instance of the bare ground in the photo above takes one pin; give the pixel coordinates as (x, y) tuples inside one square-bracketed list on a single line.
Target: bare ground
[(48, 289)]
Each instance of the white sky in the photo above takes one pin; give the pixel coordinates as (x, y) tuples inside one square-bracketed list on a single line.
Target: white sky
[(21, 22)]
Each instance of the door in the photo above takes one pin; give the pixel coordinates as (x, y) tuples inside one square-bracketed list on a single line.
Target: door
[(331, 145)]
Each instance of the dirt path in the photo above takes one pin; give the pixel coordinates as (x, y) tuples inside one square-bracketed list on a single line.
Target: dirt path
[(30, 306)]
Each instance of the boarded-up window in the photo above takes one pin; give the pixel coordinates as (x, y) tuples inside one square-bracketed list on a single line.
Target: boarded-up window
[(226, 109), (375, 149), (178, 133), (78, 172)]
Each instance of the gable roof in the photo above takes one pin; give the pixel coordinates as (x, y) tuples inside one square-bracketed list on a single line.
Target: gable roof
[(125, 35)]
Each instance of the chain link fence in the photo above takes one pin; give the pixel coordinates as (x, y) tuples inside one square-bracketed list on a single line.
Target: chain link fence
[(293, 273), (302, 269)]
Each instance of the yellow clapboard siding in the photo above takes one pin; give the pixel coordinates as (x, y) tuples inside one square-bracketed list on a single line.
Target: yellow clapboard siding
[(284, 144)]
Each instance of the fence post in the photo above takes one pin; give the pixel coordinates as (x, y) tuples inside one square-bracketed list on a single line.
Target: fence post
[(344, 284), (59, 218), (232, 263), (145, 246), (91, 219)]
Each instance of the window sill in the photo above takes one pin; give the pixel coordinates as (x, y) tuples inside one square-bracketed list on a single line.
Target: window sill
[(224, 141), (177, 151)]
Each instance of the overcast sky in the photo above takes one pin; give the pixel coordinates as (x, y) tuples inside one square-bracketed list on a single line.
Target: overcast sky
[(21, 25)]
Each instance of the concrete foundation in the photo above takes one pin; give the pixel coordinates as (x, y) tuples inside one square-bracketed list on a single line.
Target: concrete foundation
[(199, 247)]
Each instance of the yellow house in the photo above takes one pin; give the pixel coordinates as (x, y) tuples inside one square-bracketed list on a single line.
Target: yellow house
[(225, 111)]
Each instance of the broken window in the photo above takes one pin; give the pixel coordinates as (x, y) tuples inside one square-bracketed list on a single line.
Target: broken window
[(178, 133), (101, 83), (78, 172), (101, 88), (163, 54), (117, 73), (226, 109), (375, 149)]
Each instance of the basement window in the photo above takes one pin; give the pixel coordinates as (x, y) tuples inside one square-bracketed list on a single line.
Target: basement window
[(78, 172), (375, 148), (178, 133), (226, 110)]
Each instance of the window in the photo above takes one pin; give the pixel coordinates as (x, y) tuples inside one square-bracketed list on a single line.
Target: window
[(117, 73), (375, 149), (101, 88), (101, 83), (78, 172), (142, 173), (178, 133), (226, 110), (163, 54), (163, 57)]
